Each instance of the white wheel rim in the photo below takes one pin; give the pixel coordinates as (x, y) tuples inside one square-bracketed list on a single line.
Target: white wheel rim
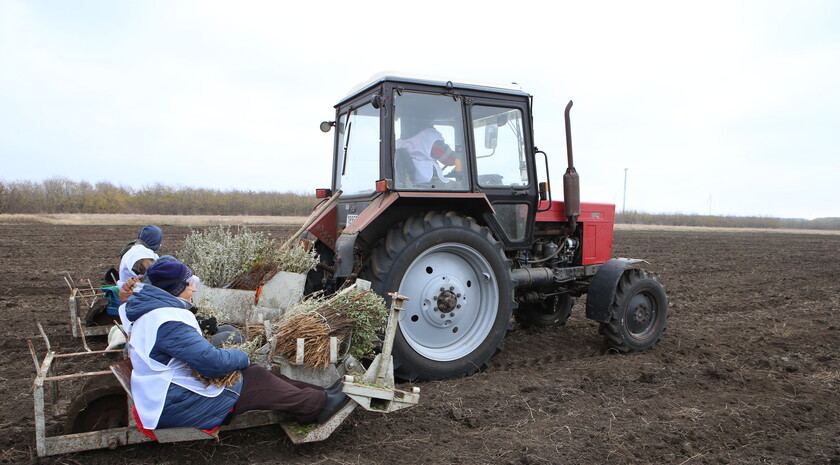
[(454, 300)]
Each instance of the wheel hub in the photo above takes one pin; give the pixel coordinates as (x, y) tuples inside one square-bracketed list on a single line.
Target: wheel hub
[(443, 306), (447, 300), (641, 314)]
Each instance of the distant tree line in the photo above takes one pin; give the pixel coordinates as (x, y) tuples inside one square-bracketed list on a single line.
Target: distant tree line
[(60, 195), (680, 219)]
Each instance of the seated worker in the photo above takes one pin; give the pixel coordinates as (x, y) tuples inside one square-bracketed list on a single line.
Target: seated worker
[(166, 345), (220, 335), (428, 151), (141, 254)]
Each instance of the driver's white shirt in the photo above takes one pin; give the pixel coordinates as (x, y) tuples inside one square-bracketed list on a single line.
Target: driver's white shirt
[(419, 148)]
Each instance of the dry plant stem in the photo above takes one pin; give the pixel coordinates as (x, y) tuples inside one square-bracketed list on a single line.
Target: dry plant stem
[(316, 327), (224, 381)]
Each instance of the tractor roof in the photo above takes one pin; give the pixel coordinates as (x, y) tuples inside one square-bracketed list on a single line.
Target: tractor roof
[(511, 89)]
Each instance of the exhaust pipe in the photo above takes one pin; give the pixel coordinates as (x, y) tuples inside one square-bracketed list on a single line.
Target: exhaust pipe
[(571, 181)]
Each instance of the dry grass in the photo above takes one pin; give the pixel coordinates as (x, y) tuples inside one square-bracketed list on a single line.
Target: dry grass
[(660, 227), (211, 220)]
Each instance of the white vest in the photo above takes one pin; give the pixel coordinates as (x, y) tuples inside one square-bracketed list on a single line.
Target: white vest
[(133, 255), (150, 379)]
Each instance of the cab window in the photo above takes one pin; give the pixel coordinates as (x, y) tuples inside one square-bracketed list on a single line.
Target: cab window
[(499, 139)]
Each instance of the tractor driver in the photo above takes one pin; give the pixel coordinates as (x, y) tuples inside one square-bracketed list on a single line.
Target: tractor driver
[(426, 149)]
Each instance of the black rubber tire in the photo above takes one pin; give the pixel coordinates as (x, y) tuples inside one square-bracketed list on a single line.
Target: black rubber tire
[(638, 313), (315, 277), (455, 242), (97, 409), (554, 311)]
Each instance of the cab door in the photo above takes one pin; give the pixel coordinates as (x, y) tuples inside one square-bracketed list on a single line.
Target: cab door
[(503, 166)]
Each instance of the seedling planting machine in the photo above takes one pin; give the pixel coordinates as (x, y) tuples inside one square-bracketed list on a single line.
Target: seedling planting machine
[(436, 204), (102, 417)]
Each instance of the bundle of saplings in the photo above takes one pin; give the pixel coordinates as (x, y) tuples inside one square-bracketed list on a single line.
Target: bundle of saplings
[(355, 317), (242, 259), (250, 347)]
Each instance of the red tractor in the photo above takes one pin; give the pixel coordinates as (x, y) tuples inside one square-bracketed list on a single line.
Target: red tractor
[(435, 195)]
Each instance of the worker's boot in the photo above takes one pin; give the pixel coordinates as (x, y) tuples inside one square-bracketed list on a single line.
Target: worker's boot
[(336, 399)]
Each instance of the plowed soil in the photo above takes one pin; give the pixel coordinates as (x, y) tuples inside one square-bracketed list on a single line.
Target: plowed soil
[(747, 372)]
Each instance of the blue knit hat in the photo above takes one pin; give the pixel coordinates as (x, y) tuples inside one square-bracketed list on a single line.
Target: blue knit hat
[(152, 236), (171, 276)]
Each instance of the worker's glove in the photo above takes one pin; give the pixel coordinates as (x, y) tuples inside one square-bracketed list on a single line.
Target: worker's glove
[(207, 325)]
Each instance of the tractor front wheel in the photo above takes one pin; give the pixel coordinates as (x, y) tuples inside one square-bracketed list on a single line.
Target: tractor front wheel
[(638, 313), (457, 279)]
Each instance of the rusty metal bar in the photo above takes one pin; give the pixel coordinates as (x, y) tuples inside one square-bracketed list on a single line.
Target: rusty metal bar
[(46, 339), (122, 330), (77, 375), (34, 358), (46, 365), (82, 334), (92, 352)]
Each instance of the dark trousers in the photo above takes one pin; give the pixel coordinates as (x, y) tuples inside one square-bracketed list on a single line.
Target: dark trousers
[(263, 390)]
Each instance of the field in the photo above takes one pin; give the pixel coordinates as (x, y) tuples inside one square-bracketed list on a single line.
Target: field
[(748, 371)]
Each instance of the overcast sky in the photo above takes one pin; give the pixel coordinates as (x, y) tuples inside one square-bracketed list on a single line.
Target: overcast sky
[(721, 107)]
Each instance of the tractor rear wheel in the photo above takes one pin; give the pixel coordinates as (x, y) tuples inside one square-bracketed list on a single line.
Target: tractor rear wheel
[(638, 313), (457, 279), (554, 311)]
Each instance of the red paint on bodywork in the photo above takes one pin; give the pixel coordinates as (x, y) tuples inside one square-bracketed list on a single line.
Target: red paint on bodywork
[(597, 221), (325, 227), (381, 203)]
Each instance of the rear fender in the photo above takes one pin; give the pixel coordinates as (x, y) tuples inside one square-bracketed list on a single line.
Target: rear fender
[(603, 286), (391, 208)]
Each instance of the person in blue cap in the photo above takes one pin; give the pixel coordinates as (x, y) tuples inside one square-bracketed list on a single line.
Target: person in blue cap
[(166, 346), (141, 254)]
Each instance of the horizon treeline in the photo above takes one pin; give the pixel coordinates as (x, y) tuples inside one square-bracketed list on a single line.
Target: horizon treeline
[(60, 195), (680, 219)]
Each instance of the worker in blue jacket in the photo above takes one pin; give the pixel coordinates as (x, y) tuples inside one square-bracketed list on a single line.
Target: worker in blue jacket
[(166, 345)]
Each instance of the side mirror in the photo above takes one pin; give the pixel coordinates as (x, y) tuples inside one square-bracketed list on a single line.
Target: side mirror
[(376, 102), (327, 125), (491, 136)]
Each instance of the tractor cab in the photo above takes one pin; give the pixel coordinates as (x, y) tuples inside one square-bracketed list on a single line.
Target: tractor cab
[(465, 143)]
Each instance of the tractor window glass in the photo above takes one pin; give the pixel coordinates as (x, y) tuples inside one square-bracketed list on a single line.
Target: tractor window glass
[(499, 146), (357, 167), (429, 142)]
